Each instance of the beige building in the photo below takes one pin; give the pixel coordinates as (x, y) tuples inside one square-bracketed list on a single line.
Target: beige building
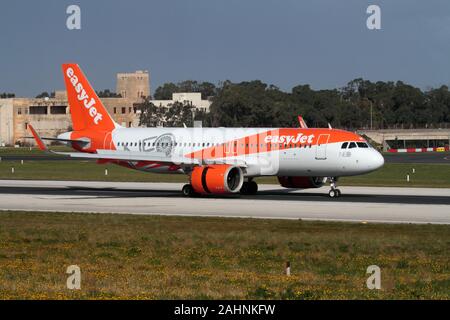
[(133, 85), (192, 98), (50, 116)]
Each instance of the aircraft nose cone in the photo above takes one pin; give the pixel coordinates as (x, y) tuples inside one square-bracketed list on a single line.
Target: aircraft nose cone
[(377, 160)]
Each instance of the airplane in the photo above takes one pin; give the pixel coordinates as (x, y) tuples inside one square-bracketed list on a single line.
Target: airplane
[(217, 160)]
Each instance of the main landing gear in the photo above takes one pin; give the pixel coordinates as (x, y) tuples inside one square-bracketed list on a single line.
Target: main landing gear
[(188, 191), (334, 192), (249, 187)]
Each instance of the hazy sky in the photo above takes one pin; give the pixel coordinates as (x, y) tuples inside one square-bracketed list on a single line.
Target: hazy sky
[(284, 42)]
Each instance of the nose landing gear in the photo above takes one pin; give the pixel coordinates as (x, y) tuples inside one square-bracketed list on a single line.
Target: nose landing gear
[(334, 192)]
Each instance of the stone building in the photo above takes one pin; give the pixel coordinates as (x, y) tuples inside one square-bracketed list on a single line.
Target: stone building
[(133, 85), (192, 98), (50, 116)]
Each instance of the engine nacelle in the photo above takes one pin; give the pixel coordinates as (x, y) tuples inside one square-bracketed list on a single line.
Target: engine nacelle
[(301, 182), (217, 179)]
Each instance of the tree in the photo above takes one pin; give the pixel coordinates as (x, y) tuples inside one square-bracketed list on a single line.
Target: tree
[(165, 91), (6, 95), (207, 89), (256, 104), (108, 94), (45, 94), (150, 115), (178, 114)]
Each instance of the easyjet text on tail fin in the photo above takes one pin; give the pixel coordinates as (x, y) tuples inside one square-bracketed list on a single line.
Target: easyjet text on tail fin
[(86, 109)]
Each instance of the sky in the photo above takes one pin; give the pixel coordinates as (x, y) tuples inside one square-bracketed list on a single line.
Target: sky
[(324, 43)]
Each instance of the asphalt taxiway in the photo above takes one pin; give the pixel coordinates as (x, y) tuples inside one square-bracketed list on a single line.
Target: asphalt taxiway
[(359, 204)]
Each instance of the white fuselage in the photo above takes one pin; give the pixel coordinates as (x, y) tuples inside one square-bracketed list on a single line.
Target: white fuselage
[(261, 156)]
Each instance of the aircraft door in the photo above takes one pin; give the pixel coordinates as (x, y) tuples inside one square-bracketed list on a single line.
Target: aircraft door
[(321, 147)]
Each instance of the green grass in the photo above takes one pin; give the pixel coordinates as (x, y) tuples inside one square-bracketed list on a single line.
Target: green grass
[(156, 257), (392, 174)]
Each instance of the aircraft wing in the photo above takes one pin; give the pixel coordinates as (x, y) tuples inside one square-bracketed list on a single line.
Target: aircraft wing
[(146, 156), (130, 156), (103, 154)]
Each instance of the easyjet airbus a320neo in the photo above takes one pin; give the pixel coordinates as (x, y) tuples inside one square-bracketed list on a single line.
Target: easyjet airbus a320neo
[(217, 160)]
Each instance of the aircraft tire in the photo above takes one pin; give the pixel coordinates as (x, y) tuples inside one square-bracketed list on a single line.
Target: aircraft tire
[(187, 190)]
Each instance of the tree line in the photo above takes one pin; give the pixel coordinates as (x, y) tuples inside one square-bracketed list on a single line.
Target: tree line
[(361, 104), (6, 95), (176, 115)]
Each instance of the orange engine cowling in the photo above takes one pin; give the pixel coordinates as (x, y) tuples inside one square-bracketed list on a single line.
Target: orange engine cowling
[(301, 182), (217, 179)]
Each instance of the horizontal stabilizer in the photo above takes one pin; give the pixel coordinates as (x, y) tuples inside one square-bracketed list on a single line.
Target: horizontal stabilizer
[(80, 142), (37, 138)]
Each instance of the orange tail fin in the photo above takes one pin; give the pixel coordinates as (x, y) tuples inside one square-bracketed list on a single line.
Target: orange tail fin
[(86, 109)]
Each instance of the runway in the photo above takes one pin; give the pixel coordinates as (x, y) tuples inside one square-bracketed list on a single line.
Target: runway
[(420, 157), (358, 204)]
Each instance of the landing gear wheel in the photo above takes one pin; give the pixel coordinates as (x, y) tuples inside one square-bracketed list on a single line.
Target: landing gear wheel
[(253, 187), (249, 187), (244, 188), (187, 190), (334, 192)]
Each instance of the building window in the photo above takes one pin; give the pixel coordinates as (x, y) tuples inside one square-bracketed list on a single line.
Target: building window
[(129, 124), (26, 125), (115, 110), (124, 110), (19, 111), (58, 109), (129, 109), (38, 110)]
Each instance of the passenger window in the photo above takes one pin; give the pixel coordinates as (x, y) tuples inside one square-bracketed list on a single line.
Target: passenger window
[(362, 145), (344, 145), (352, 145)]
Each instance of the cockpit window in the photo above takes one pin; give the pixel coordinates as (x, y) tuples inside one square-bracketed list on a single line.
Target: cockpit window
[(344, 145), (352, 145), (362, 145)]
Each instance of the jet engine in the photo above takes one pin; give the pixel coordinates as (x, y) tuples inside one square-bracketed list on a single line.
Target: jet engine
[(301, 182), (217, 179)]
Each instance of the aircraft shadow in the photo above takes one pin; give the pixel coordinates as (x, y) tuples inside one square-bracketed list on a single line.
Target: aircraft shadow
[(277, 195)]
